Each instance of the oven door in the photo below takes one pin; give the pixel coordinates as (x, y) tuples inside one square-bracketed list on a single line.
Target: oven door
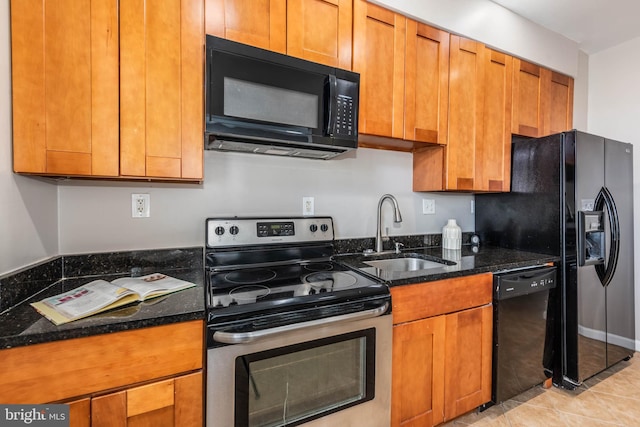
[(334, 375)]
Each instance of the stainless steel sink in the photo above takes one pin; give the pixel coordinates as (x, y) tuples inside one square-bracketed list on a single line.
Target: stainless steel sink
[(404, 264)]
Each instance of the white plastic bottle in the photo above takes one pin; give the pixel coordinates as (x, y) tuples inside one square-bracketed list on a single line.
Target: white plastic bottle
[(451, 235)]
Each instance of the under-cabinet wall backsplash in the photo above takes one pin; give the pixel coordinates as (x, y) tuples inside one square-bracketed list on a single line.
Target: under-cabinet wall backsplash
[(96, 216)]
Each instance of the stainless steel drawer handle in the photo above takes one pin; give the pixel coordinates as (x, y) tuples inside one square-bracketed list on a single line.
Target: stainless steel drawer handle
[(247, 337)]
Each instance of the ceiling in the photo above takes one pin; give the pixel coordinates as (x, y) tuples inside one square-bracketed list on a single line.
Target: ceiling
[(594, 24)]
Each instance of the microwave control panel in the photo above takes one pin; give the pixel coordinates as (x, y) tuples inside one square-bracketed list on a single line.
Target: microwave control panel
[(347, 98)]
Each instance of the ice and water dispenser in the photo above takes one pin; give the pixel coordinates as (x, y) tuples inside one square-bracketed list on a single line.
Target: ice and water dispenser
[(591, 241)]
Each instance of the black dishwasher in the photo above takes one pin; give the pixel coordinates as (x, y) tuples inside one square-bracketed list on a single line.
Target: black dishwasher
[(520, 329)]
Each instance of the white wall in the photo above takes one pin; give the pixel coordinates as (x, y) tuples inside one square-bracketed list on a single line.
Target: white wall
[(97, 216), (28, 207), (581, 94), (614, 109), (495, 26)]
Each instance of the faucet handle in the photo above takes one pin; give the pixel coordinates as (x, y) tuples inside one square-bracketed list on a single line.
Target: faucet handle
[(398, 246)]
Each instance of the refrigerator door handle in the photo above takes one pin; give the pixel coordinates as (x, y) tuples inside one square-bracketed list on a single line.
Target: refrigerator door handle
[(605, 272)]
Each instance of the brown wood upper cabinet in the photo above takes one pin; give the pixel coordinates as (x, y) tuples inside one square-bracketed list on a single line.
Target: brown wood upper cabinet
[(559, 105), (112, 90), (404, 72), (315, 30), (161, 80), (65, 87), (542, 100), (478, 155)]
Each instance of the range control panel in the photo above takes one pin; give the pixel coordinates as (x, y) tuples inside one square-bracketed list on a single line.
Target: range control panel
[(229, 232)]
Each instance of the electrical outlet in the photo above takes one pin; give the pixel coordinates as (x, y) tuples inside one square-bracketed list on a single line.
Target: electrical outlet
[(140, 205), (428, 206), (307, 206)]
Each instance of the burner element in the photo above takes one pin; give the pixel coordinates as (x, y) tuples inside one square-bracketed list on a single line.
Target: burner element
[(319, 266), (328, 281), (254, 275), (249, 293)]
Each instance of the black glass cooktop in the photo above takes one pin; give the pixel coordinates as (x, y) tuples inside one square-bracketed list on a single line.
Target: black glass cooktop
[(249, 291)]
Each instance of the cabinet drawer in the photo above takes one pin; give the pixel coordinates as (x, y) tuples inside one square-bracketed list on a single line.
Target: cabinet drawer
[(422, 300), (63, 369)]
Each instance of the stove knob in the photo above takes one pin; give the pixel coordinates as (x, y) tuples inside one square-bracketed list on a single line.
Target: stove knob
[(233, 302), (324, 227), (322, 290), (313, 228), (234, 230), (312, 291), (219, 230), (219, 304)]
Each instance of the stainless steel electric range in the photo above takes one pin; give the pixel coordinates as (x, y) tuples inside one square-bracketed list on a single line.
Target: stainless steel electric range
[(293, 337)]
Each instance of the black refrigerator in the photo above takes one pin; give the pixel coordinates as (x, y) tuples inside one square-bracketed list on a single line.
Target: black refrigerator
[(571, 196)]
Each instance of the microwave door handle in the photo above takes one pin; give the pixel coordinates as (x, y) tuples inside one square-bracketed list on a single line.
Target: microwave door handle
[(247, 337), (332, 104)]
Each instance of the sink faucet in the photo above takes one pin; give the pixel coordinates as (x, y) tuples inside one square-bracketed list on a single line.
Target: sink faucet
[(397, 217)]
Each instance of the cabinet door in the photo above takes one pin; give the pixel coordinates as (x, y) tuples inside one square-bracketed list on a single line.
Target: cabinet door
[(465, 113), (161, 105), (478, 155), (378, 55), (80, 413), (418, 373), (542, 100), (528, 87), (320, 31), (171, 403), (468, 360), (426, 84), (260, 23), (558, 103), (493, 143), (64, 87)]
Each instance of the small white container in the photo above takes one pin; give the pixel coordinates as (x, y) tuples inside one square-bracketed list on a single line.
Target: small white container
[(451, 235)]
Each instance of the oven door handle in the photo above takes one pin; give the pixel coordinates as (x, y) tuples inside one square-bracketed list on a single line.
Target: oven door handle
[(249, 337)]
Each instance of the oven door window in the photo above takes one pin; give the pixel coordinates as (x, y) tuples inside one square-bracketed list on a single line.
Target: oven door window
[(291, 385)]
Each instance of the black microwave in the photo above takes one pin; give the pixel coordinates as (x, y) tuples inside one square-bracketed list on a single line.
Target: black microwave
[(258, 101)]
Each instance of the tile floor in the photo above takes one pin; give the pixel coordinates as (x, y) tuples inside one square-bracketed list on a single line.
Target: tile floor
[(611, 398)]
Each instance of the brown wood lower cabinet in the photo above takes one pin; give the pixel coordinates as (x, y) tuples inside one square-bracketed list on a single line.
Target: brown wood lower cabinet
[(442, 341), (418, 374), (173, 402), (142, 377), (80, 412), (467, 374)]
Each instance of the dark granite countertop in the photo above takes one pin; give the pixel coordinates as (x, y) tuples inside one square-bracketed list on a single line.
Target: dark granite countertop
[(468, 262), (21, 324)]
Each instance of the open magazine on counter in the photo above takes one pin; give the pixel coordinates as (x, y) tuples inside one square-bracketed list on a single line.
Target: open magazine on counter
[(100, 295)]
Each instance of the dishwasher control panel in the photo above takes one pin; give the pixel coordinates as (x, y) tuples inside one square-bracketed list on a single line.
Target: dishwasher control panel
[(511, 284)]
